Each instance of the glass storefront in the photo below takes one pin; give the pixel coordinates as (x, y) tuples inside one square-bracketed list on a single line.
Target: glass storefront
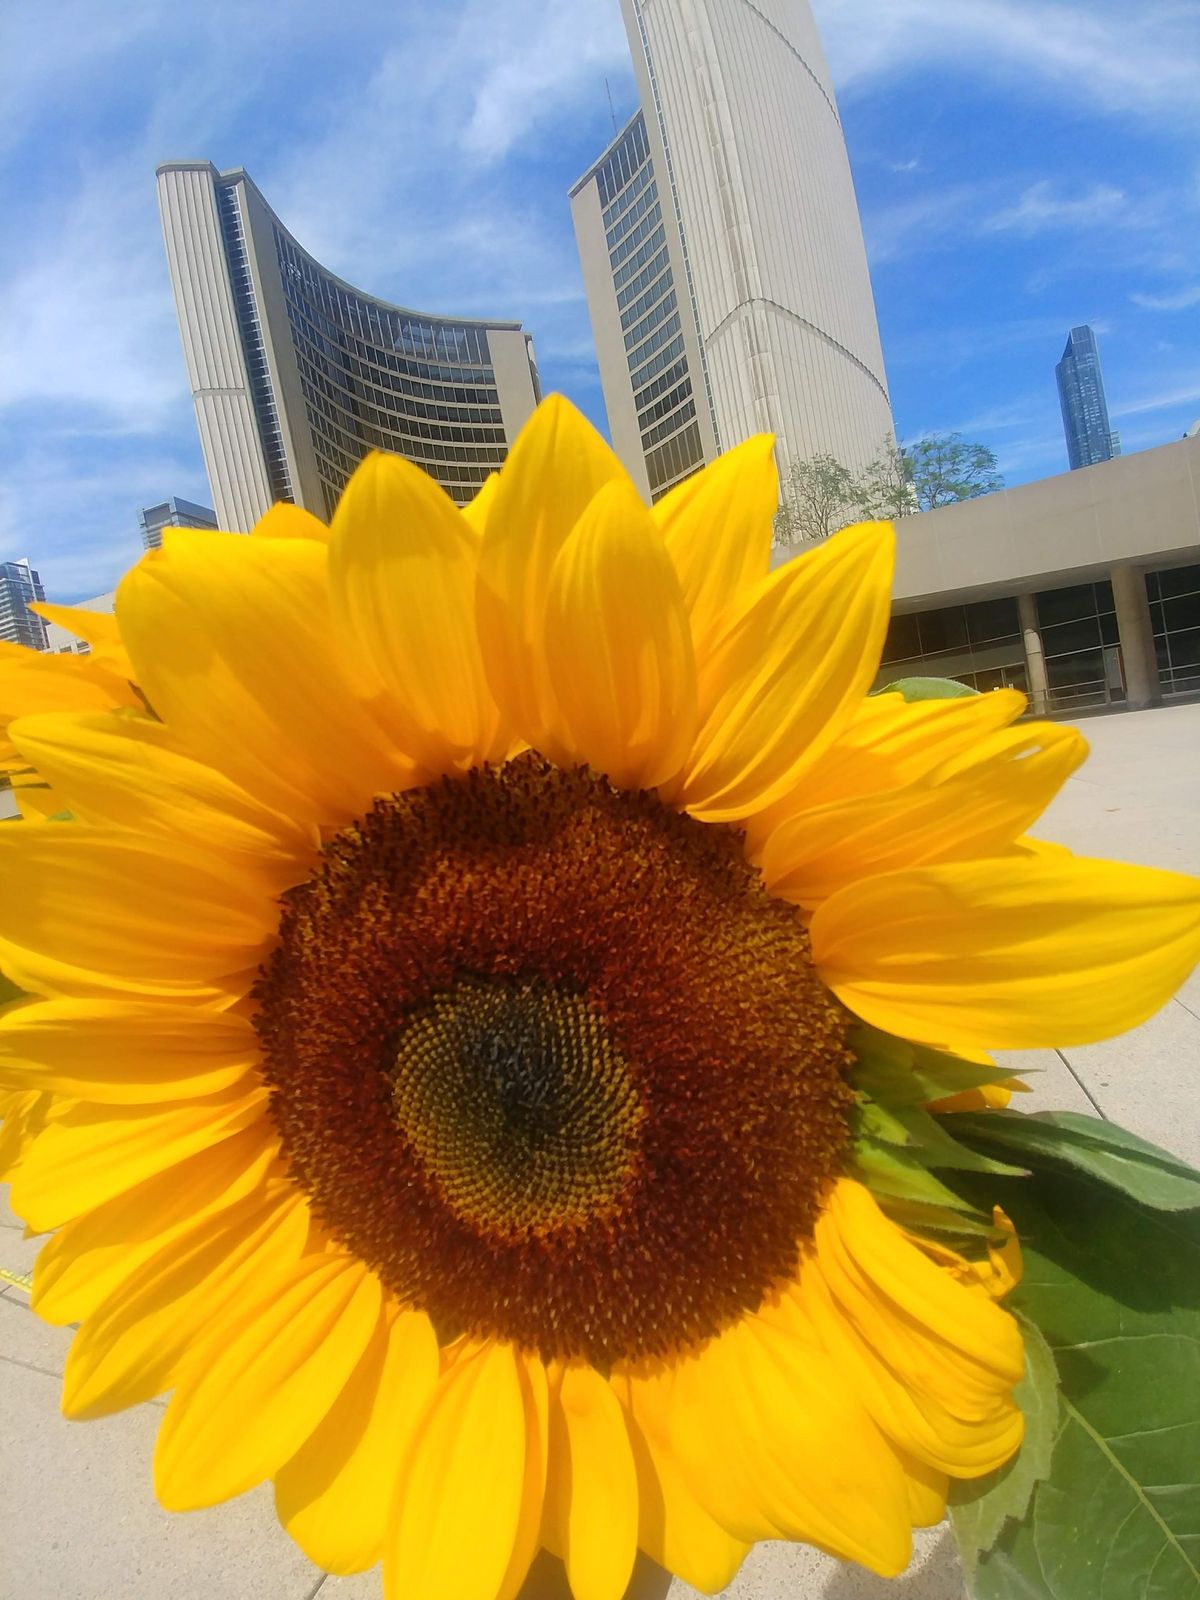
[(1078, 625), (978, 644), (1174, 596)]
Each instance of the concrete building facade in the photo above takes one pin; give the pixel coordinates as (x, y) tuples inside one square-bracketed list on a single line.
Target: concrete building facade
[(173, 513), (296, 374), (19, 585), (1082, 589), (751, 234)]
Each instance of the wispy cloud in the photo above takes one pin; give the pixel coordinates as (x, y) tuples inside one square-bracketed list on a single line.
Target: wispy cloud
[(1183, 394), (1180, 300), (1041, 208)]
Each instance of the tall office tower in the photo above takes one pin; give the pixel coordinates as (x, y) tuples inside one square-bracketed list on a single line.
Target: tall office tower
[(296, 375), (1081, 397), (19, 584), (721, 248), (173, 513)]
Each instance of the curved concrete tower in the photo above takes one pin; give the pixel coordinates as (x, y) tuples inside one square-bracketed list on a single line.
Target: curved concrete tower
[(760, 234)]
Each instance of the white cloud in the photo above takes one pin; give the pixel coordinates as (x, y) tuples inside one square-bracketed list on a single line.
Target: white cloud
[(1183, 394), (1179, 301), (1105, 55), (1040, 209)]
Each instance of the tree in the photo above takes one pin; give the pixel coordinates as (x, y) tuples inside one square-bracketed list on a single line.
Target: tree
[(820, 496), (946, 468)]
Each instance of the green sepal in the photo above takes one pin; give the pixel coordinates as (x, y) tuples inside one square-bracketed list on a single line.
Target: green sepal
[(899, 1073), (911, 689), (892, 1172), (980, 1507), (1099, 1149), (925, 1137)]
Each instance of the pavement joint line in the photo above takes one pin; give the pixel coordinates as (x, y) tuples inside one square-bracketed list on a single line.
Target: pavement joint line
[(1100, 1111), (1187, 1008), (313, 1593), (32, 1366)]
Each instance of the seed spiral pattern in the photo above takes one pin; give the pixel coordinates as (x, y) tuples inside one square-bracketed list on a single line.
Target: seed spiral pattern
[(547, 1056)]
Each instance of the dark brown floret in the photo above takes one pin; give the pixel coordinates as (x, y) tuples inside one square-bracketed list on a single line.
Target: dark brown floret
[(548, 1057)]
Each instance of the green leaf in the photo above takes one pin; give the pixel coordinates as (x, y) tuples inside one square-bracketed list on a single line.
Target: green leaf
[(925, 1138), (1114, 1287), (892, 1172), (927, 689), (979, 1508), (1098, 1148)]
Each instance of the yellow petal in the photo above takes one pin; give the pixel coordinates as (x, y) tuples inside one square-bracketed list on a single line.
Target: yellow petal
[(92, 911), (458, 1503), (558, 463), (1009, 953), (87, 1260), (781, 680), (119, 1052), (592, 1495), (771, 1415), (23, 1116), (971, 806), (477, 510), (402, 564), (97, 628), (717, 527), (618, 650), (333, 1495), (285, 521), (35, 680), (179, 1301), (243, 1410), (536, 1400), (234, 648), (126, 770), (673, 1528), (90, 1153)]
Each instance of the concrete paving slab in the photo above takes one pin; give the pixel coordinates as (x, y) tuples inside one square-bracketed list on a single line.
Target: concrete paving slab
[(1052, 1086), (8, 1217), (28, 1341), (78, 1519)]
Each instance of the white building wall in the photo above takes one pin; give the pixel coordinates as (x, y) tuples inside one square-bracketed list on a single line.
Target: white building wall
[(769, 220), (212, 349)]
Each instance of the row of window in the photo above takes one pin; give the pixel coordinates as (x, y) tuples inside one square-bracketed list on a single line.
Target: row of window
[(673, 423), (674, 460), (614, 212), (357, 419), (666, 405), (636, 309), (270, 430), (926, 633), (647, 275), (390, 371), (631, 214), (668, 330), (651, 320), (632, 153), (662, 383), (349, 393), (631, 241), (430, 454), (640, 256), (664, 358), (403, 393)]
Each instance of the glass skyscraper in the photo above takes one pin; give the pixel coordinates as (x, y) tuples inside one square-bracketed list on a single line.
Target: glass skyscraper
[(173, 513), (1084, 408), (19, 584), (296, 375)]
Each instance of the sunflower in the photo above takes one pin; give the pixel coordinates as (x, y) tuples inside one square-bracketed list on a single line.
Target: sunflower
[(453, 1002)]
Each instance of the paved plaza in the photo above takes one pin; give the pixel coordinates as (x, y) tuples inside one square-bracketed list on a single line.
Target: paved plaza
[(78, 1520)]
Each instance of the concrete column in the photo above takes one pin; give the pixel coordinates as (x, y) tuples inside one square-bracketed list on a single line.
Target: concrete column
[(1134, 629), (1035, 659)]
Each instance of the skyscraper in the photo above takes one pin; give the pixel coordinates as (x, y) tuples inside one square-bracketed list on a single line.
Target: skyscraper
[(20, 584), (721, 248), (296, 375), (1081, 397), (173, 513)]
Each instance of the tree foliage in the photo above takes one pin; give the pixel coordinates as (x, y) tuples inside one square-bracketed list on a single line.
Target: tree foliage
[(821, 494)]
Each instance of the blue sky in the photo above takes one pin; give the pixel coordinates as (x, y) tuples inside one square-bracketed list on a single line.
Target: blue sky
[(1022, 165)]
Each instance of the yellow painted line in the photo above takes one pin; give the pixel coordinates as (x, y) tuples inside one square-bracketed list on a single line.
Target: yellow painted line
[(19, 1280)]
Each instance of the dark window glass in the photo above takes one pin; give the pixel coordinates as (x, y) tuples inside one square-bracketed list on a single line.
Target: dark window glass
[(903, 640), (1185, 648), (942, 630), (1065, 605), (992, 619), (1069, 636), (1109, 631), (1177, 580), (1104, 596), (1181, 612), (1084, 669)]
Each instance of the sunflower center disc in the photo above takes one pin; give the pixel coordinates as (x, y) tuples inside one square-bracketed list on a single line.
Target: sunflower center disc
[(549, 1059)]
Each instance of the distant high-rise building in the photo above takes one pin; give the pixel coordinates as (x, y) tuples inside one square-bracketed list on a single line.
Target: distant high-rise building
[(1081, 397), (296, 375), (722, 252), (173, 513), (19, 585)]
